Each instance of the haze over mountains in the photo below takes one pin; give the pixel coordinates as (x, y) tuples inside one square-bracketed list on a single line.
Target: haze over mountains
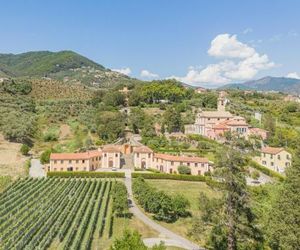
[(71, 67), (269, 83)]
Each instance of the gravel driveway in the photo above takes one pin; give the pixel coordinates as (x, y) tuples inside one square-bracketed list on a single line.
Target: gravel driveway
[(36, 169)]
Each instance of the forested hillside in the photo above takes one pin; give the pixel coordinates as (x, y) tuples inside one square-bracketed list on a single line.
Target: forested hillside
[(66, 66)]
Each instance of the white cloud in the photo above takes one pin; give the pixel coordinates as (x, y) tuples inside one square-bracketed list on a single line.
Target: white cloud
[(228, 46), (240, 62), (247, 30), (125, 71), (149, 75), (293, 75)]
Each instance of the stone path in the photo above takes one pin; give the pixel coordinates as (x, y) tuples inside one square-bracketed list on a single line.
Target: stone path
[(36, 169), (168, 237)]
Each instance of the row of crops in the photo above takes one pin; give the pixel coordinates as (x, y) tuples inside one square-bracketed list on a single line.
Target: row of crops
[(35, 213)]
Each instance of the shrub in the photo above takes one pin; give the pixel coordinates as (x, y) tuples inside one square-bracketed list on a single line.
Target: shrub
[(50, 136), (45, 156), (266, 171), (184, 170), (24, 149), (79, 174), (164, 207)]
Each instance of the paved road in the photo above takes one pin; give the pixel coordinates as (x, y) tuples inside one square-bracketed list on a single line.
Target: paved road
[(168, 237), (36, 169)]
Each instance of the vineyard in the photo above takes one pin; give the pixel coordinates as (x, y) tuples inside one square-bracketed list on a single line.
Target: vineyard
[(70, 213)]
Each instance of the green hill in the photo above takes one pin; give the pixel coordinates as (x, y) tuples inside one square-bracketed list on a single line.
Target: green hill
[(66, 66)]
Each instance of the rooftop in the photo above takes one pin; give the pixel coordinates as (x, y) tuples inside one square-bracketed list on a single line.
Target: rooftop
[(271, 150), (75, 156), (142, 149)]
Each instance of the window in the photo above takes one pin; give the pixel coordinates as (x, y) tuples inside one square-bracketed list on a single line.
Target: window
[(61, 161), (55, 161), (271, 156), (287, 157), (188, 164), (116, 155), (138, 155), (70, 161), (84, 168), (54, 169), (172, 163), (83, 161), (61, 169), (77, 161), (278, 157), (196, 164), (264, 154), (105, 155), (76, 168), (149, 155), (264, 163), (202, 164), (272, 163), (208, 119)]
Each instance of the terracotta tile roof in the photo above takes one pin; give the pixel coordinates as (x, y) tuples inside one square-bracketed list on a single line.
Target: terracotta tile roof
[(110, 148), (216, 114), (271, 150), (180, 158), (75, 156), (142, 149)]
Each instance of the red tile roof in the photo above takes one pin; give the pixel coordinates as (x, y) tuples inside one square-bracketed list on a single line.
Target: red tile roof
[(110, 148), (75, 156), (180, 158), (142, 149), (271, 150)]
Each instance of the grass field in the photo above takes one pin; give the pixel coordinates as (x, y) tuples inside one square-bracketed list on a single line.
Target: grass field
[(191, 191)]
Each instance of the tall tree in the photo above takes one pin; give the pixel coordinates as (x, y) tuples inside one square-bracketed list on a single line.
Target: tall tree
[(172, 119), (236, 224), (284, 225)]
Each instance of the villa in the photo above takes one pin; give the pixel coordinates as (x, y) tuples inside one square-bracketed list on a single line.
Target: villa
[(214, 124), (276, 159), (131, 155)]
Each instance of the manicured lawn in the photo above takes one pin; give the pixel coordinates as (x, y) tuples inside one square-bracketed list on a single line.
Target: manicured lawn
[(191, 191)]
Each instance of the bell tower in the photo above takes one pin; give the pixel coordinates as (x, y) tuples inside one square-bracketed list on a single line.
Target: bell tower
[(221, 103)]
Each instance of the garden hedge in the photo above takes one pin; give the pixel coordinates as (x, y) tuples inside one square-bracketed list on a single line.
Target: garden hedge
[(179, 177), (266, 171), (80, 174)]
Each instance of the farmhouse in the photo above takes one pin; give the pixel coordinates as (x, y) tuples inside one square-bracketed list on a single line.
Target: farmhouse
[(87, 161), (276, 159)]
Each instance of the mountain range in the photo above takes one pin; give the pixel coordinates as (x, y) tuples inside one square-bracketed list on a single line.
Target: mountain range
[(269, 83)]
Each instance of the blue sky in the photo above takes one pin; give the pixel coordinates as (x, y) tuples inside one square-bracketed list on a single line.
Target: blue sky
[(163, 38)]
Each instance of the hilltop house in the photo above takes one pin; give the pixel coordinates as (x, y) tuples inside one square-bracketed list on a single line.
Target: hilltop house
[(276, 159)]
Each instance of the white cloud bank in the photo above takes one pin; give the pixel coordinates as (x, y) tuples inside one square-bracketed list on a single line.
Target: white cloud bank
[(148, 75), (239, 62), (125, 71), (293, 75)]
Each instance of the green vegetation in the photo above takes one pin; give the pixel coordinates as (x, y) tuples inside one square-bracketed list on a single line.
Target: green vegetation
[(34, 213), (184, 170), (133, 240), (24, 149), (164, 207), (5, 181), (86, 174), (120, 202)]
